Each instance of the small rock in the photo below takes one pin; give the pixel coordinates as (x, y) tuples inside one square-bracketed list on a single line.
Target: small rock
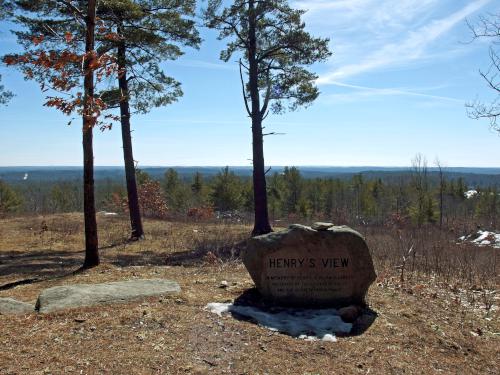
[(349, 314), (321, 226), (10, 306), (223, 284)]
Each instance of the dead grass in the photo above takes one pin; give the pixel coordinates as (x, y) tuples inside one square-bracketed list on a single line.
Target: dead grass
[(419, 330)]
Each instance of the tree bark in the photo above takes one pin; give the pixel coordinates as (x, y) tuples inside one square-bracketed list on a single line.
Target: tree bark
[(261, 223), (91, 240), (441, 198), (133, 198)]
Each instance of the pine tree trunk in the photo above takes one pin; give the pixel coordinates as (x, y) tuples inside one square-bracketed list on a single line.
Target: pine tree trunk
[(91, 241), (261, 224), (133, 198)]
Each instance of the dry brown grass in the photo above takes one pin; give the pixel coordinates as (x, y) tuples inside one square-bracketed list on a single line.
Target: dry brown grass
[(427, 257), (419, 330)]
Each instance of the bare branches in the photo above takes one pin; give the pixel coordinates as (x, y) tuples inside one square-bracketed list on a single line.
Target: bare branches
[(272, 133), (477, 110), (485, 27), (488, 27)]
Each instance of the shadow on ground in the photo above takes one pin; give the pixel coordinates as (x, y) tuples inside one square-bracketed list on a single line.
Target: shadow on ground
[(38, 263), (252, 298), (18, 268), (205, 253)]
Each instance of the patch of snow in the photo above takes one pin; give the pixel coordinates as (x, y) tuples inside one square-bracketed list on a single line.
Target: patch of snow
[(497, 241), (482, 238), (25, 177), (470, 194), (105, 213), (218, 308), (306, 324)]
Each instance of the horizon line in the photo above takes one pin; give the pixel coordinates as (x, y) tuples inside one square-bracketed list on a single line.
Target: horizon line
[(248, 166)]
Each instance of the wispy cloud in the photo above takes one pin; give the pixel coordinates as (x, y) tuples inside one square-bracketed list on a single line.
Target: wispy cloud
[(372, 92), (370, 35), (192, 63)]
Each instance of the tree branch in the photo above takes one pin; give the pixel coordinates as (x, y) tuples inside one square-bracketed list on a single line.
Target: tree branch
[(244, 92)]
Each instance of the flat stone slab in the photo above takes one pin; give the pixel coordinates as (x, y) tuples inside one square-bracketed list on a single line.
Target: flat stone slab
[(80, 295), (322, 226), (10, 306), (325, 265)]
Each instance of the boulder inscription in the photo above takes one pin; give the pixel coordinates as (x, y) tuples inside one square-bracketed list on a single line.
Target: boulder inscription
[(302, 266)]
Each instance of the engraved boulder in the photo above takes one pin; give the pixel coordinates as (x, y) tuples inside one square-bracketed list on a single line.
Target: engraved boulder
[(322, 265)]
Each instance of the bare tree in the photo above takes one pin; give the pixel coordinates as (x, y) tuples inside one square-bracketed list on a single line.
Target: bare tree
[(442, 184), (422, 208), (488, 27)]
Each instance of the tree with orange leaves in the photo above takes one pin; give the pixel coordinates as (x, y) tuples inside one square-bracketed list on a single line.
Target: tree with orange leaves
[(57, 61), (140, 34), (5, 95)]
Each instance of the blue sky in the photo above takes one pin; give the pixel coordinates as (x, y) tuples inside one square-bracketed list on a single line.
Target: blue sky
[(396, 85)]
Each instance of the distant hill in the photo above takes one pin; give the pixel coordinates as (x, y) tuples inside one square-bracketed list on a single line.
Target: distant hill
[(472, 176)]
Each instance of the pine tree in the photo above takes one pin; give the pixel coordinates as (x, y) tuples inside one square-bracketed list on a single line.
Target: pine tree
[(60, 54), (5, 95), (226, 191), (274, 48), (148, 32), (275, 193), (198, 189), (293, 189), (140, 35), (10, 200), (175, 191)]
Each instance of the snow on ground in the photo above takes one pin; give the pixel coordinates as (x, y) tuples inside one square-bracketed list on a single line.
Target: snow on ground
[(483, 238), (470, 194), (105, 213), (307, 324)]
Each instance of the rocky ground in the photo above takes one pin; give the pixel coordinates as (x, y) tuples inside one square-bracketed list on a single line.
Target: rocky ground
[(418, 328)]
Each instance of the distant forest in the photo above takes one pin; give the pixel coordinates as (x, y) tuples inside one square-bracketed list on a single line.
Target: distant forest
[(405, 197), (473, 177)]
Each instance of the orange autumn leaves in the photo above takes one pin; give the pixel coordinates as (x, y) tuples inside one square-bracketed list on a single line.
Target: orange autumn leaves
[(62, 71)]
